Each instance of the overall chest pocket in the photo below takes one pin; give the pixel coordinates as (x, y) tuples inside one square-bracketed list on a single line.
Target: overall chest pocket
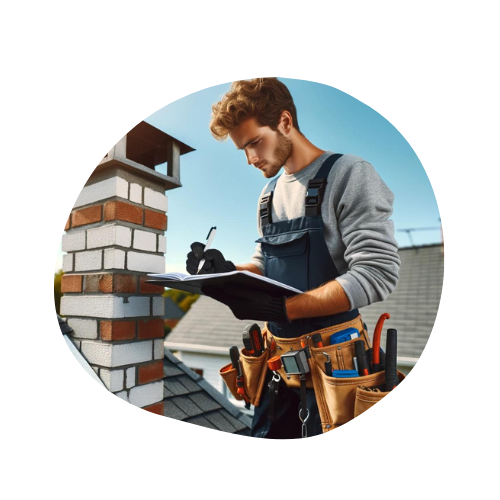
[(286, 258)]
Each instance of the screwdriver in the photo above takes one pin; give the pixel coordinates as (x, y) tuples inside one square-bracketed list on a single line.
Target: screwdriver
[(234, 354), (359, 347), (252, 339), (317, 342)]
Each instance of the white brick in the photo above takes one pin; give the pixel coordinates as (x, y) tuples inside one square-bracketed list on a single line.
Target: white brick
[(162, 244), (155, 199), (88, 261), (144, 262), (105, 306), (114, 355), (113, 379), (145, 395), (130, 377), (136, 193), (98, 307), (73, 241), (158, 306), (106, 236), (136, 306), (97, 352), (144, 240), (114, 258), (158, 349), (122, 395), (103, 190), (96, 369), (84, 328), (67, 263)]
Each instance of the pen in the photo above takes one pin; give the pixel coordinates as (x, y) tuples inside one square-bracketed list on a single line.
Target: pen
[(210, 238)]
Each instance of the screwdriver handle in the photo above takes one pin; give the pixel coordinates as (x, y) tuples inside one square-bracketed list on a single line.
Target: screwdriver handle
[(328, 364), (391, 371), (359, 348), (234, 354)]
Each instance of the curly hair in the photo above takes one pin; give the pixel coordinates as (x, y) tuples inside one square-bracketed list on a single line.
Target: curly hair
[(261, 98)]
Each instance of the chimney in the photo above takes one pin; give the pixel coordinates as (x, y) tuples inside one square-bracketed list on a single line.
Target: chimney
[(114, 238)]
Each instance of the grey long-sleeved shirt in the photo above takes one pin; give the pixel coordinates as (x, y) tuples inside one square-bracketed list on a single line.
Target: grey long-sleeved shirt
[(355, 211)]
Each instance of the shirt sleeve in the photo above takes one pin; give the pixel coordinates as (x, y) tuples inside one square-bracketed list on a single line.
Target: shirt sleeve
[(363, 205)]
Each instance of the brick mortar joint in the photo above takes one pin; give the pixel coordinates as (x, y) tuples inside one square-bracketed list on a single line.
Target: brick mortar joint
[(129, 202), (115, 247)]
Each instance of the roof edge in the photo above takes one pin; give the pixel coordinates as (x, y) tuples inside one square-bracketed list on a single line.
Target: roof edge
[(202, 349)]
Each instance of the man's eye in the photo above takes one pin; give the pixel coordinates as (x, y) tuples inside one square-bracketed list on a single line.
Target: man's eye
[(255, 143)]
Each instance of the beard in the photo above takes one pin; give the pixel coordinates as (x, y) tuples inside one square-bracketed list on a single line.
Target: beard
[(283, 151)]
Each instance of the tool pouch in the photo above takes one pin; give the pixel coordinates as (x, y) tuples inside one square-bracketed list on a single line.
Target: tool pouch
[(341, 399), (254, 371), (364, 399), (341, 354)]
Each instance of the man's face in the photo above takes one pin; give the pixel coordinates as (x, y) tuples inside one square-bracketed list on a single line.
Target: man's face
[(266, 149)]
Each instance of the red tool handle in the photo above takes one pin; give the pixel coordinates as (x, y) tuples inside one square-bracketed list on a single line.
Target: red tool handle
[(376, 342)]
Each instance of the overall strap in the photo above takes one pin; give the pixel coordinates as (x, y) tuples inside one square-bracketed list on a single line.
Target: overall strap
[(316, 187), (266, 203), (314, 195)]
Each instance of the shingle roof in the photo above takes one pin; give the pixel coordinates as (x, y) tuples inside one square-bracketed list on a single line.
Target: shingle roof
[(414, 304), (172, 310), (190, 398), (63, 325), (413, 307), (186, 395)]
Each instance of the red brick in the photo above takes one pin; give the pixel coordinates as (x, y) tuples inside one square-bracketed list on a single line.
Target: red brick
[(68, 223), (151, 329), (156, 408), (171, 322), (150, 372), (148, 287), (86, 216), (155, 220), (117, 330), (92, 283), (110, 283), (124, 283), (71, 283), (118, 283), (119, 210)]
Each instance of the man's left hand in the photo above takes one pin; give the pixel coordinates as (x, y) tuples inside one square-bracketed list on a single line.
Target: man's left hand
[(250, 304)]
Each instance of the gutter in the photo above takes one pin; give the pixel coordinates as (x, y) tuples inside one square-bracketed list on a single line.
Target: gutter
[(201, 349)]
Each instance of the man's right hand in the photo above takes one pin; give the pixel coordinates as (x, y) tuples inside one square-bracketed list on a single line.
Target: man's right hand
[(215, 262)]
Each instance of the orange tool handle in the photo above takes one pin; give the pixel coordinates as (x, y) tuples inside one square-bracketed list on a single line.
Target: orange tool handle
[(274, 364), (376, 339)]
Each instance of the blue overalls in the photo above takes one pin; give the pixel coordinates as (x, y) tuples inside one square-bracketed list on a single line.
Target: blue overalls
[(296, 254)]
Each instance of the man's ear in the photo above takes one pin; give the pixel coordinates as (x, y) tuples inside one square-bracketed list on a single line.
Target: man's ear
[(286, 122)]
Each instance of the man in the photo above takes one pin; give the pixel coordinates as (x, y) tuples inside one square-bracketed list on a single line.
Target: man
[(324, 226)]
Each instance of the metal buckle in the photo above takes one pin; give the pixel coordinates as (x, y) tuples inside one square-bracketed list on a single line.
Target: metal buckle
[(312, 196), (265, 209)]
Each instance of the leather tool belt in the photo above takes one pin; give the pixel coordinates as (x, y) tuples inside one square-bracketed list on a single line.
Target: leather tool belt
[(339, 399)]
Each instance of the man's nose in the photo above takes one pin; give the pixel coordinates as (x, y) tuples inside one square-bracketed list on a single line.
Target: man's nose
[(252, 158)]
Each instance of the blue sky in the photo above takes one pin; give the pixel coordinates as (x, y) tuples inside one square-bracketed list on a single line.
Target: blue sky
[(220, 189)]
